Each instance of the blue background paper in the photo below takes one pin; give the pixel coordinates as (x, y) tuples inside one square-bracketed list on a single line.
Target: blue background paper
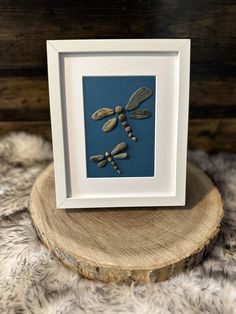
[(109, 91)]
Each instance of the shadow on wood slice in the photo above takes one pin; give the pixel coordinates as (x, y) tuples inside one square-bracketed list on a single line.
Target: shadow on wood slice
[(129, 244)]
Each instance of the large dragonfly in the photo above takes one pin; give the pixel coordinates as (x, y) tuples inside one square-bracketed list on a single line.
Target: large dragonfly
[(139, 96), (116, 153)]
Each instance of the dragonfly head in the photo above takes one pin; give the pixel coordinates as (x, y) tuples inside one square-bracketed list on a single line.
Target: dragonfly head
[(118, 109)]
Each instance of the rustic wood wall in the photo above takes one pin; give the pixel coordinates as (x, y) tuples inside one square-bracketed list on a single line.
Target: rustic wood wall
[(26, 25)]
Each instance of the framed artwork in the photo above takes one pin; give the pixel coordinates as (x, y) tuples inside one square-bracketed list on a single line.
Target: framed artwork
[(119, 116)]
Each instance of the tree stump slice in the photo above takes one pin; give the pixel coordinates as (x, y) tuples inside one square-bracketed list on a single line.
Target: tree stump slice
[(129, 244)]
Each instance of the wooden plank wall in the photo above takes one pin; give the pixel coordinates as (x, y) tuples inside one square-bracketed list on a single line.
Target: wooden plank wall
[(26, 25)]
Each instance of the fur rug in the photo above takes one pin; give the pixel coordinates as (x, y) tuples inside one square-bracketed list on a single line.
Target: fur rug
[(33, 281)]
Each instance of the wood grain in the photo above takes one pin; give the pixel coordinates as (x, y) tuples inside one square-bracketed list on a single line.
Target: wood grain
[(41, 128), (214, 92), (139, 244), (210, 24), (24, 99), (213, 135), (24, 30)]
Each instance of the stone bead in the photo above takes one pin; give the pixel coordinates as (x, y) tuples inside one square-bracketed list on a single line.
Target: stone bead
[(124, 124), (130, 134), (134, 139), (121, 117), (118, 109), (113, 163), (109, 159), (107, 154), (128, 129)]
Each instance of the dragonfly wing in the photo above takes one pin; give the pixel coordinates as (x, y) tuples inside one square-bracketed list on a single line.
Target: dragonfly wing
[(119, 147), (102, 163), (121, 156), (97, 157), (140, 114), (109, 125), (138, 97), (102, 113)]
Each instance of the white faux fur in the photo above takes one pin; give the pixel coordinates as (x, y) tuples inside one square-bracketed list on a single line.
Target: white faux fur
[(32, 280)]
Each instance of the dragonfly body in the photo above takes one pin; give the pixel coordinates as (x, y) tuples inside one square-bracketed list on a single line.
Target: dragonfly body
[(139, 96), (116, 153)]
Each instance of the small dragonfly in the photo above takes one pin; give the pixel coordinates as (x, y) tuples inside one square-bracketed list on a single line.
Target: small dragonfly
[(116, 153), (139, 96)]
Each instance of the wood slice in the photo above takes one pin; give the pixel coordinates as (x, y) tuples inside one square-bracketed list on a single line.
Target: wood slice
[(129, 244)]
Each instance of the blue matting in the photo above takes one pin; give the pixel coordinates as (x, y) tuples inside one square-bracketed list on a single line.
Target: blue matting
[(109, 91)]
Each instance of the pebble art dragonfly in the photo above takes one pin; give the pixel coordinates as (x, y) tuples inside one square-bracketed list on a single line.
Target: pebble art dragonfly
[(139, 96), (116, 153)]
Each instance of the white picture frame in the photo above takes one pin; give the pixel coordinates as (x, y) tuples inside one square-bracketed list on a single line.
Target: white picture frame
[(70, 59)]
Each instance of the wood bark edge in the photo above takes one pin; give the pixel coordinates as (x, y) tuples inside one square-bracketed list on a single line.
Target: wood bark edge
[(115, 274)]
